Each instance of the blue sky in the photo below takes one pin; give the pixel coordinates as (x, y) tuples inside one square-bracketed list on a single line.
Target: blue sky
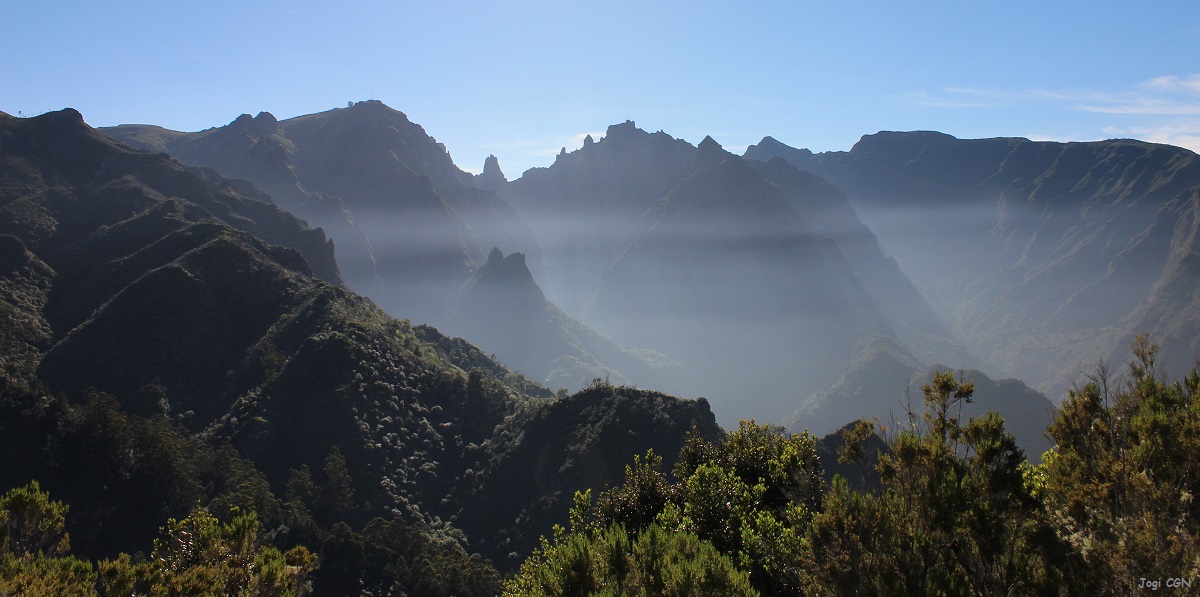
[(521, 80)]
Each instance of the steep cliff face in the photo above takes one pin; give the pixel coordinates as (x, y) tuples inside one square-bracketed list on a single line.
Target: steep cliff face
[(1052, 243)]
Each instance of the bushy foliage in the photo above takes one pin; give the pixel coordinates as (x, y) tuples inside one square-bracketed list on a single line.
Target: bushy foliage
[(199, 555), (750, 495), (34, 545), (957, 510), (1122, 479), (954, 515), (610, 562)]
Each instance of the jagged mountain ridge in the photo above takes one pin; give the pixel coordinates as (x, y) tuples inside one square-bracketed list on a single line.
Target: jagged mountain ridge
[(1055, 244), (379, 176), (413, 223), (587, 204)]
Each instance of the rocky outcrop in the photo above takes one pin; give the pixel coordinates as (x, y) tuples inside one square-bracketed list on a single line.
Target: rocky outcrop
[(492, 178)]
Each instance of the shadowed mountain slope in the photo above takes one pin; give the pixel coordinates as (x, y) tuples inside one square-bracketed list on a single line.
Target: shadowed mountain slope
[(187, 298)]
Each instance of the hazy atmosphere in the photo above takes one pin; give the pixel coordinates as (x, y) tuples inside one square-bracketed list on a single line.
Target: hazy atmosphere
[(577, 299)]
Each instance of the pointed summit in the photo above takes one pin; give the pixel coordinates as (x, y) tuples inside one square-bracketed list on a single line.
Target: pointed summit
[(503, 310), (492, 177), (710, 153), (265, 124), (770, 148)]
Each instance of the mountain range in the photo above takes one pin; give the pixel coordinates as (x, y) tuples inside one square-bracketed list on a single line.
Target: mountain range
[(643, 258), (332, 293), (721, 264)]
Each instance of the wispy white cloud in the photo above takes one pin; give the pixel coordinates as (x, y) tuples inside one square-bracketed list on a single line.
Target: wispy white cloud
[(1183, 134), (1160, 96), (1144, 107), (1162, 109), (1172, 83)]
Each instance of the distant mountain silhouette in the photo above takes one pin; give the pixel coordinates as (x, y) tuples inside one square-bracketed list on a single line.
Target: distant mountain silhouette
[(416, 224), (413, 223), (1045, 257), (885, 380), (256, 149)]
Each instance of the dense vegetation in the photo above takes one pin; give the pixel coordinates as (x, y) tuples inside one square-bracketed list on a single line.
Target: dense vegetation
[(957, 508), (124, 476)]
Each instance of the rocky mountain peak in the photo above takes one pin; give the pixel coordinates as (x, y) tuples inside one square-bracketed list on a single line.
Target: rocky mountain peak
[(492, 177), (710, 153), (620, 132), (66, 115), (262, 125), (372, 109), (772, 146), (495, 256)]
